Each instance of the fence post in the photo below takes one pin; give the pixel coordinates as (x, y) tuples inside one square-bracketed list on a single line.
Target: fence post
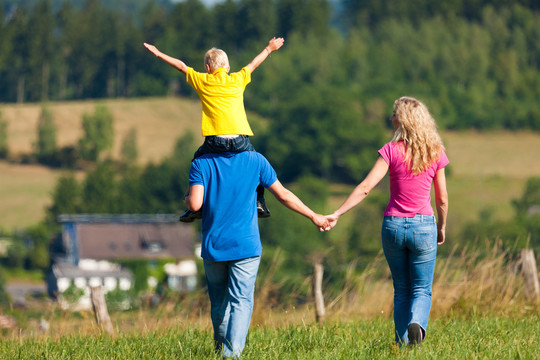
[(530, 273), (318, 271), (100, 309)]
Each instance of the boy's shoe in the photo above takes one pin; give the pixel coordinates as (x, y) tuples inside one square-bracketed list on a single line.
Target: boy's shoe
[(188, 216), (262, 210), (415, 334)]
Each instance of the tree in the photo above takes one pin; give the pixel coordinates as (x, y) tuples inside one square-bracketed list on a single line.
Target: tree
[(129, 150), (99, 190), (41, 51), (98, 133), (4, 150), (66, 198), (45, 147)]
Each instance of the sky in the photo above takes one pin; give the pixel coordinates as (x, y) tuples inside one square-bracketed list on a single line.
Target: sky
[(206, 2)]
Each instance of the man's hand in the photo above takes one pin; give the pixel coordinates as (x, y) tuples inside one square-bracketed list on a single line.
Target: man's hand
[(321, 222), (274, 44), (332, 221)]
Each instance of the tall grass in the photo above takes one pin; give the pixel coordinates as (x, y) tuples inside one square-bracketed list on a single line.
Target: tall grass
[(479, 312)]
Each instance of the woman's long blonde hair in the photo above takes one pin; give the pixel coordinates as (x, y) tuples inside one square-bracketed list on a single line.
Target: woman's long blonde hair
[(418, 131)]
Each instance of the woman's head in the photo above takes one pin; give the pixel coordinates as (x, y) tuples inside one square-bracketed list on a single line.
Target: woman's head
[(415, 126), (215, 59)]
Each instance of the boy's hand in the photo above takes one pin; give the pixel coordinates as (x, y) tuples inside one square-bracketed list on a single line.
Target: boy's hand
[(275, 44), (152, 49)]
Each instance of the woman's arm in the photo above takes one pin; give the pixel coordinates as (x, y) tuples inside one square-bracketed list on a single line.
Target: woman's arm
[(375, 175), (441, 202), (175, 63)]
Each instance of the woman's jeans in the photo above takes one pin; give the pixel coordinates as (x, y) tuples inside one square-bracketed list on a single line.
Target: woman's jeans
[(410, 248), (231, 285)]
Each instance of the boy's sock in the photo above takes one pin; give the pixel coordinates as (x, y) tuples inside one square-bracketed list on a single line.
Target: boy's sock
[(262, 210), (188, 216)]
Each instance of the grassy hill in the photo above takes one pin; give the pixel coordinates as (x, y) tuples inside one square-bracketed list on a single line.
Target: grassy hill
[(487, 169)]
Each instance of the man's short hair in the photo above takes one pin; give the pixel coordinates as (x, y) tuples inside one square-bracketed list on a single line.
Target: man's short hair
[(216, 58)]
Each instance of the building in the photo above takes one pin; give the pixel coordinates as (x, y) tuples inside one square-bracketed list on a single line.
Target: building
[(86, 251)]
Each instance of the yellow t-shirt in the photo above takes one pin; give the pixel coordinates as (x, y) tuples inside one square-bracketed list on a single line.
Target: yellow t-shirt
[(222, 98)]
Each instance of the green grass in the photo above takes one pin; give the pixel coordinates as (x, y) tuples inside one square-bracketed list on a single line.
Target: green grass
[(449, 338)]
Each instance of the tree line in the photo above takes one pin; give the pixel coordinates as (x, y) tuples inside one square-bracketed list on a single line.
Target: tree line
[(475, 63)]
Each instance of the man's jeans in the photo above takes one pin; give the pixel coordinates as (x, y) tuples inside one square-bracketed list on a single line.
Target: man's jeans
[(231, 285), (410, 248)]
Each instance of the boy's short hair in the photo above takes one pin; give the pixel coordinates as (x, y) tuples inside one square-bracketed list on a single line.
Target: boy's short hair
[(216, 58)]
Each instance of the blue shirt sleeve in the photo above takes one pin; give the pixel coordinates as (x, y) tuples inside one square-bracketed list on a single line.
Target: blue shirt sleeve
[(195, 174), (268, 175)]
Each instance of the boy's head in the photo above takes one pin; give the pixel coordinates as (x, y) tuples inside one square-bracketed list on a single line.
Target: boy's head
[(215, 59)]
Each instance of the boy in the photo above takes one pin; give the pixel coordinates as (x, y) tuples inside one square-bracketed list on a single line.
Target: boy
[(224, 121)]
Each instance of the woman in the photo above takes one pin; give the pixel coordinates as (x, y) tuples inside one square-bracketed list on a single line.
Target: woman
[(416, 159)]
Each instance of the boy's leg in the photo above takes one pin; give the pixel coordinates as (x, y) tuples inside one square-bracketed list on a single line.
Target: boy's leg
[(262, 209), (242, 143)]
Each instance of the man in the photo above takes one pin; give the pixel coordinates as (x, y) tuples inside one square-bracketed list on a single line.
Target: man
[(223, 185)]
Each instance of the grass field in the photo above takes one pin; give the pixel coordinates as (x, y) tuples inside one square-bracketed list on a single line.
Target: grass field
[(479, 311), (474, 338), (488, 170)]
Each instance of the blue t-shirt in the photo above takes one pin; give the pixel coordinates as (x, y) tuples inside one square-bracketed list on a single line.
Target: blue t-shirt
[(230, 226)]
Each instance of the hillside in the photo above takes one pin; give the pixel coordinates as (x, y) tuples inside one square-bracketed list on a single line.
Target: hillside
[(487, 169), (159, 123)]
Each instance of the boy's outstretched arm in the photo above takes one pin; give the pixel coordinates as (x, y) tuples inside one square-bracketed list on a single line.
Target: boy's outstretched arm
[(175, 63), (273, 45)]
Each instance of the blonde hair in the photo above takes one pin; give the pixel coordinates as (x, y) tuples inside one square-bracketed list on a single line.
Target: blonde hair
[(418, 131), (216, 58)]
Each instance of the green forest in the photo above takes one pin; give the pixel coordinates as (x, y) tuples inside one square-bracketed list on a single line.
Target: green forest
[(323, 100)]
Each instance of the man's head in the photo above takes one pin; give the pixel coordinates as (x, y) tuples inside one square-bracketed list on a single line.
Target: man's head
[(215, 59)]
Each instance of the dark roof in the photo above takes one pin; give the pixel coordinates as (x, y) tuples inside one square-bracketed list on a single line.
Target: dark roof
[(131, 236)]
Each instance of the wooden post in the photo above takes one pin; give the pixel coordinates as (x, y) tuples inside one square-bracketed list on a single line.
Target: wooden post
[(530, 273), (100, 309), (318, 271)]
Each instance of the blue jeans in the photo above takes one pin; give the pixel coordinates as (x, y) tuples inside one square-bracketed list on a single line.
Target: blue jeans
[(410, 248), (231, 285), (216, 145)]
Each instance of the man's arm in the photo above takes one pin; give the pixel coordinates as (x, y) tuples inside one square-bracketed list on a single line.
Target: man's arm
[(273, 45), (194, 197), (291, 201), (175, 63)]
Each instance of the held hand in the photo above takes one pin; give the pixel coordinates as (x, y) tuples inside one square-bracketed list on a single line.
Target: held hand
[(320, 222), (151, 48), (275, 44), (332, 220)]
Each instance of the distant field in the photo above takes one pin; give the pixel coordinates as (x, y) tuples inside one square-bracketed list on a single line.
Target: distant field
[(487, 169), (159, 123)]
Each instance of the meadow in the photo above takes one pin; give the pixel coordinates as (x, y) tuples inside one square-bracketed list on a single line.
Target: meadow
[(479, 312), (487, 171), (481, 338)]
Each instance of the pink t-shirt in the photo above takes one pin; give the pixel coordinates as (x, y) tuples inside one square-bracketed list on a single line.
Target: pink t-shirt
[(409, 193)]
